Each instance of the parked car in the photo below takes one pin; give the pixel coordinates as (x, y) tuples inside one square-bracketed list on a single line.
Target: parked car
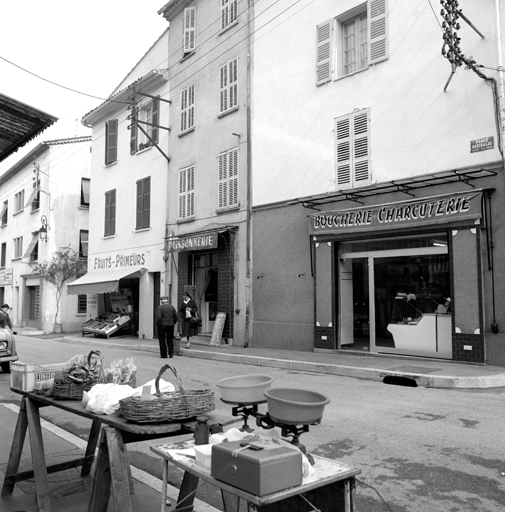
[(7, 350)]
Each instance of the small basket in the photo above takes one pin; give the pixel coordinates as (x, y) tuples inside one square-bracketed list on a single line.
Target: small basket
[(177, 405), (65, 388)]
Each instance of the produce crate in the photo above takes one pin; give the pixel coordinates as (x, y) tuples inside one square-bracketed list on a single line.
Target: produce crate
[(24, 376)]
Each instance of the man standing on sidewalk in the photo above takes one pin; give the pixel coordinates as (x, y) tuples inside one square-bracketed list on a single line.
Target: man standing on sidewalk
[(166, 318)]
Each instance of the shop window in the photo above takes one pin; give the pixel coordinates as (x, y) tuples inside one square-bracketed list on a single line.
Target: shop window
[(82, 304), (228, 179), (18, 247), (228, 86), (4, 213), (110, 213), (148, 118), (352, 149), (32, 252), (187, 192), (143, 203), (83, 243), (352, 42), (85, 185), (228, 13), (189, 30), (3, 255), (111, 133), (19, 200), (188, 108)]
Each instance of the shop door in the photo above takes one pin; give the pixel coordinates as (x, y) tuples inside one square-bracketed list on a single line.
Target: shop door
[(32, 306), (396, 301)]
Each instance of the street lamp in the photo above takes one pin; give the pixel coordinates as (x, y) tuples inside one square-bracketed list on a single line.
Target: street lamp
[(43, 229)]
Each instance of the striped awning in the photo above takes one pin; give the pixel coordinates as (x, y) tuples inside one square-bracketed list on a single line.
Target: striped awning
[(103, 280)]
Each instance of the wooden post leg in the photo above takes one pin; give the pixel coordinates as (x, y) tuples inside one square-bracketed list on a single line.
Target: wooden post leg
[(18, 442), (187, 492), (38, 457), (164, 485), (100, 492), (119, 470), (231, 503), (92, 442), (129, 468)]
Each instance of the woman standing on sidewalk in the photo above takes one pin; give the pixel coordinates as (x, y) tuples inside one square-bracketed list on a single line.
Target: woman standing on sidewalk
[(187, 309)]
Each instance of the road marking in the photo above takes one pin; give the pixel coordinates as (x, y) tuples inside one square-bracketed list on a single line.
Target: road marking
[(142, 476)]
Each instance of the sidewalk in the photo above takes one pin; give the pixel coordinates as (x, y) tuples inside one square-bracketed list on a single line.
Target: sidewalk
[(390, 369)]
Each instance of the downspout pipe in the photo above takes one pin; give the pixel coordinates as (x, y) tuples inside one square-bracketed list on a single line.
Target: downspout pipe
[(501, 87)]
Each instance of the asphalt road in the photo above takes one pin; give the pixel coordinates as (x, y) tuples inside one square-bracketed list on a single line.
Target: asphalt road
[(418, 449)]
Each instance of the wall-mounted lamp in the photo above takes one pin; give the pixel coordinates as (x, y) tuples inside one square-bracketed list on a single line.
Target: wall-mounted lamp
[(43, 229)]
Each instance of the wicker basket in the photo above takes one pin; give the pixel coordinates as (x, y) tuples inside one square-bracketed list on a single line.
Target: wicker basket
[(65, 388), (177, 405)]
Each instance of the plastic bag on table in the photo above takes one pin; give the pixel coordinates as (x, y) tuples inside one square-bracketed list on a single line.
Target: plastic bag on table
[(104, 398)]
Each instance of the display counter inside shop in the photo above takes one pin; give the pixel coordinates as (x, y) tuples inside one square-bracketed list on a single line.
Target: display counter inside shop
[(108, 325), (415, 330)]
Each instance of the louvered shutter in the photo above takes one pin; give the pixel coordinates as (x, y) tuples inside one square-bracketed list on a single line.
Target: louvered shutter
[(133, 134), (361, 156), (111, 141), (32, 197), (324, 60), (182, 195), (31, 246), (233, 81), (189, 29), (113, 212), (233, 177), (223, 81), (223, 184), (377, 31), (191, 106), (343, 150), (140, 204), (225, 13), (233, 10), (190, 184), (106, 228), (155, 120), (184, 111)]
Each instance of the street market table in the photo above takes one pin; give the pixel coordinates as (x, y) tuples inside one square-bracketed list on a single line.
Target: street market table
[(110, 432), (332, 487)]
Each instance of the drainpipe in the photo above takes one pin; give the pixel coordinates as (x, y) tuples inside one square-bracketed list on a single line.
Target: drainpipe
[(501, 87), (249, 180)]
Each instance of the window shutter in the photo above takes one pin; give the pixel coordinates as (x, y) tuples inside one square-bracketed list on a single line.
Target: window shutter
[(191, 106), (85, 185), (377, 31), (184, 112), (113, 212), (155, 120), (324, 61), (110, 141), (33, 243), (233, 177), (182, 195), (140, 194), (343, 150), (146, 213), (190, 210), (233, 81), (223, 80), (361, 154), (189, 29), (31, 199), (106, 227), (223, 174), (133, 134), (83, 243)]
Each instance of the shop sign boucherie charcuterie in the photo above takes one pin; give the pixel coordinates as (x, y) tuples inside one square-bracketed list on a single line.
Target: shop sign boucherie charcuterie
[(432, 210)]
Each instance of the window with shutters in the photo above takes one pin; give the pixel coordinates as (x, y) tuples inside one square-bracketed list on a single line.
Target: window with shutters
[(19, 201), (83, 243), (189, 31), (188, 109), (85, 183), (352, 42), (228, 86), (111, 128), (110, 213), (228, 179), (32, 252), (352, 149), (3, 257), (18, 247), (82, 304), (229, 14), (4, 213), (143, 203), (34, 199), (187, 192), (148, 119)]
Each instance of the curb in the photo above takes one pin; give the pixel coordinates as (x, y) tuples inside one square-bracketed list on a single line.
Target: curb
[(374, 374)]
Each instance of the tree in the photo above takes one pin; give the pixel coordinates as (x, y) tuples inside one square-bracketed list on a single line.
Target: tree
[(64, 264)]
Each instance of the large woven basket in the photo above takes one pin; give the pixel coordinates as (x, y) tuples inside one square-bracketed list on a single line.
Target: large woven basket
[(66, 388), (177, 405)]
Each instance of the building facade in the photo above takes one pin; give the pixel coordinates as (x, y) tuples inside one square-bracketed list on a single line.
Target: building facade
[(45, 206), (380, 198)]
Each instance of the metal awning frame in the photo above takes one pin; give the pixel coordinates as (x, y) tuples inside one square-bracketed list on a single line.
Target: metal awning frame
[(406, 186)]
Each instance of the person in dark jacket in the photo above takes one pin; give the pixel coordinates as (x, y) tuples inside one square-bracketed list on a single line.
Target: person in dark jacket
[(187, 309), (166, 318), (5, 320)]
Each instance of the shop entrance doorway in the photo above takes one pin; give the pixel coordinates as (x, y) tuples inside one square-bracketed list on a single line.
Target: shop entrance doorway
[(206, 280), (396, 300)]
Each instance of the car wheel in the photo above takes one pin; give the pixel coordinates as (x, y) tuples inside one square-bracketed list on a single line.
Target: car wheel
[(6, 367)]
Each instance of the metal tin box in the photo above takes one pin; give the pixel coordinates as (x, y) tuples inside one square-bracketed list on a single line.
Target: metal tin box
[(258, 472)]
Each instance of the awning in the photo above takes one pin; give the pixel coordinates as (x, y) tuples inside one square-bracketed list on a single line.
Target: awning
[(103, 280), (33, 243)]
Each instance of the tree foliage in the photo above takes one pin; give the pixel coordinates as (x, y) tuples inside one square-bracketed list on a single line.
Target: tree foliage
[(64, 264)]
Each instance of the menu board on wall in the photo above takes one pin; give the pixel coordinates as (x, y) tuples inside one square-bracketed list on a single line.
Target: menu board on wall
[(217, 332), (6, 276)]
